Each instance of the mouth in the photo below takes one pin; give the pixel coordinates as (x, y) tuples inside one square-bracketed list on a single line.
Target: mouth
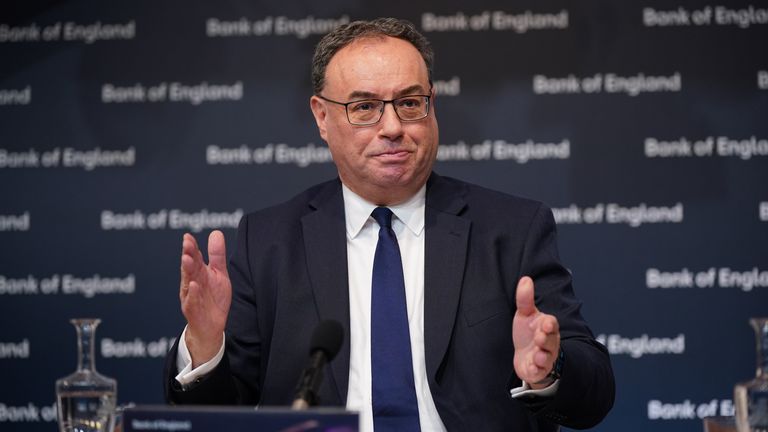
[(394, 155)]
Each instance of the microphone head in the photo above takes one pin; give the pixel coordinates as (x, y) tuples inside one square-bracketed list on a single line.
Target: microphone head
[(327, 337)]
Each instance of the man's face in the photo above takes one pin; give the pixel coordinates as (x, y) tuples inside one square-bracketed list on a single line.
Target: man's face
[(389, 161)]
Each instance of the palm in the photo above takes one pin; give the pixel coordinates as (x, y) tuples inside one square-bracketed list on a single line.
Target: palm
[(205, 294), (212, 306)]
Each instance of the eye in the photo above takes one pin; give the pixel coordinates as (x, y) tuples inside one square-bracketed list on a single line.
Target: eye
[(363, 106), (409, 102)]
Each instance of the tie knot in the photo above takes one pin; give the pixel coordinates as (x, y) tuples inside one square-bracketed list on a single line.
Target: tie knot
[(383, 216)]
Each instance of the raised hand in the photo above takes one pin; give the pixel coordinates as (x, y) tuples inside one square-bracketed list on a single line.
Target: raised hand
[(536, 337), (205, 294)]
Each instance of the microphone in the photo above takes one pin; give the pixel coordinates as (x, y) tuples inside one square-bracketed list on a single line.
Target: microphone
[(323, 347)]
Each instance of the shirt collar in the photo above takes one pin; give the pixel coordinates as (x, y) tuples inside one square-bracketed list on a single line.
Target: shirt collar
[(358, 211)]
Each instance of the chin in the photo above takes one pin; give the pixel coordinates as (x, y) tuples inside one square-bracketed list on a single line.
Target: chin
[(394, 177)]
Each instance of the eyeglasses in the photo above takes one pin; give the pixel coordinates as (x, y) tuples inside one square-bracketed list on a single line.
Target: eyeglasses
[(369, 111)]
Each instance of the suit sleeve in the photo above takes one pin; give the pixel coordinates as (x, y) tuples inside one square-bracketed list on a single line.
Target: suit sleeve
[(587, 388)]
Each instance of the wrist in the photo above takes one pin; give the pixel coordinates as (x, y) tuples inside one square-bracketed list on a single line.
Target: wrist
[(201, 350)]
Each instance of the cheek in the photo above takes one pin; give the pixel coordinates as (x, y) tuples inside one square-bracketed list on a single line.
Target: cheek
[(429, 142), (346, 148)]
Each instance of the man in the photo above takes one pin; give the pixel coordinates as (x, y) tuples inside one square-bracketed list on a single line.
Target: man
[(481, 351)]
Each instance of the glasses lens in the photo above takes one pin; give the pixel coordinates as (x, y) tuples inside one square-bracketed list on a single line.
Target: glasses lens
[(365, 111), (412, 107)]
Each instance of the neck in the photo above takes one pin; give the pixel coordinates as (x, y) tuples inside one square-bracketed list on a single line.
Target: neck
[(386, 195)]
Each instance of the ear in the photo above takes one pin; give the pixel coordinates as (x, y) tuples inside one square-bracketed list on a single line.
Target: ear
[(319, 110)]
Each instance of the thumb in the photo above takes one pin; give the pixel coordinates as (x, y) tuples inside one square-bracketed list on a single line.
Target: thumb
[(524, 297), (217, 251)]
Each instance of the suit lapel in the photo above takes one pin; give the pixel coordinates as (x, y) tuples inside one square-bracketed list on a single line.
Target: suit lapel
[(326, 250), (446, 240)]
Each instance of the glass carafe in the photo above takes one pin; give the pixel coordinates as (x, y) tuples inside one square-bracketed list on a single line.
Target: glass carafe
[(751, 398), (86, 399)]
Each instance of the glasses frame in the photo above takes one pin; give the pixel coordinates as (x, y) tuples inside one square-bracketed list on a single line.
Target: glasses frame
[(383, 107)]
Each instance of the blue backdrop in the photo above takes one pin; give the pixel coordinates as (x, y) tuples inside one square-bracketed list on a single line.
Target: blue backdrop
[(641, 123)]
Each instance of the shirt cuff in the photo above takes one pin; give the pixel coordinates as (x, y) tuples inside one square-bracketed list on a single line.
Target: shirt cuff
[(526, 390), (186, 374)]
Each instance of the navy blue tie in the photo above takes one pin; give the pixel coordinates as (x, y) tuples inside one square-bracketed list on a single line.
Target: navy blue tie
[(394, 396)]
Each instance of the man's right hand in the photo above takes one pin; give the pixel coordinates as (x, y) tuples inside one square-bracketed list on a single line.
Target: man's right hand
[(205, 294)]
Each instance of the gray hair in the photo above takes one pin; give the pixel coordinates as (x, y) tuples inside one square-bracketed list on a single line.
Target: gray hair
[(345, 34)]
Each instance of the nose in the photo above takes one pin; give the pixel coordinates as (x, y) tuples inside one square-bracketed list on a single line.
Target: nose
[(390, 125)]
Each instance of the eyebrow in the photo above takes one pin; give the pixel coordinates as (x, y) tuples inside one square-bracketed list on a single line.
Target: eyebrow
[(359, 94)]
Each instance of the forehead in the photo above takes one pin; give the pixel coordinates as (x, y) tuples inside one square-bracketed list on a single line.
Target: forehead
[(379, 66)]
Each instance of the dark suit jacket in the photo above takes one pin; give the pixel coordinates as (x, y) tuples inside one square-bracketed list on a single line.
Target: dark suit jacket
[(289, 272)]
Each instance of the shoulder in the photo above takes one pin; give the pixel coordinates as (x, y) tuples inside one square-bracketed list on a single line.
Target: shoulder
[(487, 204), (291, 211)]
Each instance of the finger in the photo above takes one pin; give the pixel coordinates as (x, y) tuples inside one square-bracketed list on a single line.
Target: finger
[(524, 297), (186, 264), (190, 302), (540, 338), (547, 342), (547, 324), (195, 265), (189, 245), (546, 330), (187, 269), (554, 325), (543, 360), (184, 280), (535, 370), (217, 252)]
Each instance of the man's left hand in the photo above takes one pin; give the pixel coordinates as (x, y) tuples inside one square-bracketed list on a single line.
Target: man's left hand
[(536, 337)]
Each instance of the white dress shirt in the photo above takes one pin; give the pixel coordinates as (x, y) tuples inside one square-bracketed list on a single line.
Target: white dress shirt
[(362, 235)]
